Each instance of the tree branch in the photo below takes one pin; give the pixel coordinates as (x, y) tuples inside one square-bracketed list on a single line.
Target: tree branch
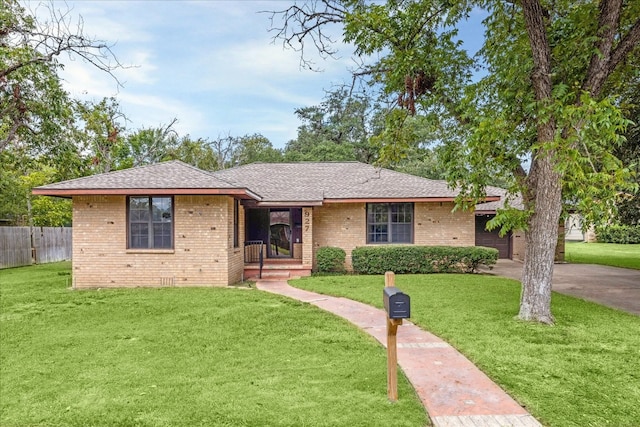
[(306, 22), (608, 22), (541, 54)]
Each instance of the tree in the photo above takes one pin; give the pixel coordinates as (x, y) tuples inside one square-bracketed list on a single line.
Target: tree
[(18, 175), (337, 129), (35, 110), (223, 148), (628, 204), (570, 124), (196, 152), (544, 118), (103, 133), (254, 148), (43, 211), (150, 145)]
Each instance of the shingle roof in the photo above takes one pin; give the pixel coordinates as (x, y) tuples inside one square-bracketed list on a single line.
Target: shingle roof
[(318, 181), (294, 183), (160, 176), (492, 207)]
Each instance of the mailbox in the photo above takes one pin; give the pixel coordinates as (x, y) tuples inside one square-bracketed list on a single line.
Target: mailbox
[(396, 303)]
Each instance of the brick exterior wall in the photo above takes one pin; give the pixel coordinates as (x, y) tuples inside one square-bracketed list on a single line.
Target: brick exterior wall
[(236, 254), (340, 225), (344, 226), (203, 253)]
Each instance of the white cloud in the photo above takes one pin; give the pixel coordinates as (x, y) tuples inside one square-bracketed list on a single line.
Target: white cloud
[(143, 70), (151, 110), (82, 80), (211, 64)]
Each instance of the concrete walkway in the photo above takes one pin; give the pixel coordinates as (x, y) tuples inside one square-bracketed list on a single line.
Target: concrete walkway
[(611, 286), (453, 390)]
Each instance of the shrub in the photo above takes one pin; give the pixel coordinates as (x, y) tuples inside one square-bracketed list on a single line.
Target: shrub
[(421, 259), (619, 234), (330, 259)]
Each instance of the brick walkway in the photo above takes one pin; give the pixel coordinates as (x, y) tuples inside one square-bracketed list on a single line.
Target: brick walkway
[(454, 392)]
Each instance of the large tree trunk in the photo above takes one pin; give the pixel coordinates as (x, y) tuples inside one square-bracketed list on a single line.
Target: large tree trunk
[(544, 181), (541, 240)]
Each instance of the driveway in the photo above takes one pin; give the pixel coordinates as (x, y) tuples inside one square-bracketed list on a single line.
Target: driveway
[(611, 286)]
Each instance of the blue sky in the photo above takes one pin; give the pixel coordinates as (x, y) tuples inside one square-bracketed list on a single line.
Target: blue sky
[(211, 64)]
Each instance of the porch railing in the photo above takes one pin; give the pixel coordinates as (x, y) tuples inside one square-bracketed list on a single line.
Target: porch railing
[(254, 253)]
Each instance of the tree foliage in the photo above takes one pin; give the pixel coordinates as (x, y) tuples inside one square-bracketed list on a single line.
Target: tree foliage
[(545, 117), (101, 133), (150, 145), (339, 128), (18, 175), (628, 203), (254, 148), (35, 110), (196, 152)]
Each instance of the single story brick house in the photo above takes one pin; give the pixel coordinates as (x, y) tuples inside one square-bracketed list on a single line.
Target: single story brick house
[(171, 224)]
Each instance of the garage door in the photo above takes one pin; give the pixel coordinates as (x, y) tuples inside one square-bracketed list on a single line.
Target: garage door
[(492, 239)]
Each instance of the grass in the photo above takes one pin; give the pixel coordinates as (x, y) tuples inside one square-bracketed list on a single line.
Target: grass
[(627, 256), (584, 371), (184, 357)]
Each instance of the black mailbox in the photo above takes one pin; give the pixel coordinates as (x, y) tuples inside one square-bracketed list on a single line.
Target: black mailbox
[(396, 303)]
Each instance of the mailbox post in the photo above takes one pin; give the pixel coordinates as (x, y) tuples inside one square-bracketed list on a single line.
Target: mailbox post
[(397, 306)]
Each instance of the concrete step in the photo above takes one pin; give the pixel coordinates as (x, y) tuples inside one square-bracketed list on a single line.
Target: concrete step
[(279, 274), (251, 273)]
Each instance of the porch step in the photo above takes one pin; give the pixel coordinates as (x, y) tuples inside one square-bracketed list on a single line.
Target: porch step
[(276, 272), (273, 274)]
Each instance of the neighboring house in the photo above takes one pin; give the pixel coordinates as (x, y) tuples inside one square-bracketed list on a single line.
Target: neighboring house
[(573, 230), (171, 224)]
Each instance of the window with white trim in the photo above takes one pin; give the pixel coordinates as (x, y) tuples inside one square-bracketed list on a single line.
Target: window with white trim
[(150, 222), (389, 222)]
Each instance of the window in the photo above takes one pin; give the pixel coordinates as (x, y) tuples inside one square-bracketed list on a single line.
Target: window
[(150, 222), (389, 222)]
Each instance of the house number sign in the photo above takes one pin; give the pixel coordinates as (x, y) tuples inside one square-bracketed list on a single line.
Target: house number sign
[(307, 220)]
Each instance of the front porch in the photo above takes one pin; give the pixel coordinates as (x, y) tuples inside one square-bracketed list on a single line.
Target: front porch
[(278, 242)]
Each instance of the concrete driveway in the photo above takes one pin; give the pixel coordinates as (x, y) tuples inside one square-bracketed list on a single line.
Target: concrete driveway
[(611, 286)]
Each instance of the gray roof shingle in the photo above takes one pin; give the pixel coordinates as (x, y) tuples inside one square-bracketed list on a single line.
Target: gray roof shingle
[(301, 183), (514, 201), (167, 175), (318, 181)]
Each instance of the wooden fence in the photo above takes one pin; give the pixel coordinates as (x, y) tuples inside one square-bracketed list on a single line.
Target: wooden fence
[(34, 245)]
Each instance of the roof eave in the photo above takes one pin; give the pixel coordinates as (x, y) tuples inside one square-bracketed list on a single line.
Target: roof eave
[(70, 192), (267, 203), (478, 212), (401, 199), (276, 204)]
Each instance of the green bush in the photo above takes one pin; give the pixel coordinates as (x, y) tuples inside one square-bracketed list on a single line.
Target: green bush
[(619, 234), (421, 259), (330, 259)]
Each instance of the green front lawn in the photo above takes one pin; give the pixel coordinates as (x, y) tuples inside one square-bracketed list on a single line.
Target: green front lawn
[(627, 256), (184, 357), (584, 371)]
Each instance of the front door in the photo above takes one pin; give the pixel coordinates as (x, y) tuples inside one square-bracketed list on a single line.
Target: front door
[(280, 233), (278, 228)]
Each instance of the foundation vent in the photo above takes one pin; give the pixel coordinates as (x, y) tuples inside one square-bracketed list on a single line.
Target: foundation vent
[(167, 281)]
